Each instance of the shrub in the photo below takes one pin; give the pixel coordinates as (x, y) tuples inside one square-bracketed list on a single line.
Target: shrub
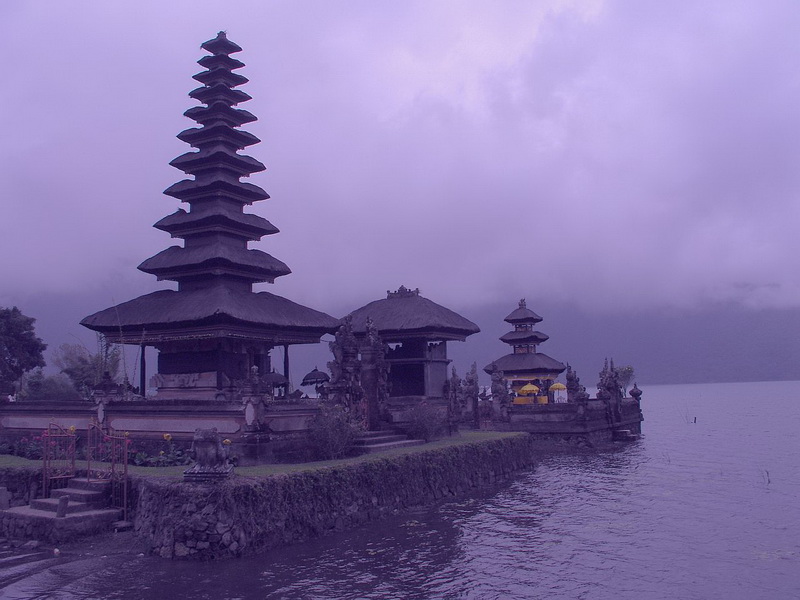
[(331, 435), (425, 422), (159, 454), (30, 448)]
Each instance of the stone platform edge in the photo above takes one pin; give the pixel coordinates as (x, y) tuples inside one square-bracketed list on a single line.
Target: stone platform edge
[(244, 516)]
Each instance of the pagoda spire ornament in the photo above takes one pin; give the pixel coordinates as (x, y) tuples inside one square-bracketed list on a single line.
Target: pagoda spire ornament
[(216, 230)]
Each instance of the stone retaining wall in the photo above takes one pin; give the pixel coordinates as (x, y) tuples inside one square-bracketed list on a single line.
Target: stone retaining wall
[(245, 515), (21, 482)]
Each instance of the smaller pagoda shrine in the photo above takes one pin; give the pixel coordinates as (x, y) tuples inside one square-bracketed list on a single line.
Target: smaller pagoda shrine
[(417, 331), (531, 374)]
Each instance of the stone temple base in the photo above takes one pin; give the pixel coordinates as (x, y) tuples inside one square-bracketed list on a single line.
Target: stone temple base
[(201, 387)]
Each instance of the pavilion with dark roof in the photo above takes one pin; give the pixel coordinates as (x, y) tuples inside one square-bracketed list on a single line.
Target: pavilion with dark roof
[(417, 330), (214, 329), (525, 365)]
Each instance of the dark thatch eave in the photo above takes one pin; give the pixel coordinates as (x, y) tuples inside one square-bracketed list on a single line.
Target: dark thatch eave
[(218, 132), (523, 315), (524, 337), (176, 260), (221, 45), (246, 225), (169, 309), (190, 190), (409, 316), (217, 156), (534, 363)]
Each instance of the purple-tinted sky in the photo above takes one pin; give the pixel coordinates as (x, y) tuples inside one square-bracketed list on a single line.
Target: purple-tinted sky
[(616, 155)]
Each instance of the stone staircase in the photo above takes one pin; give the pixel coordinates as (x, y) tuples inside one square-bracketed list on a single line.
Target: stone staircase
[(79, 509), (370, 442)]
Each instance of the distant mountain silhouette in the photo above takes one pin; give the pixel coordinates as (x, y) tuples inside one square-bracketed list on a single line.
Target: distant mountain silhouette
[(714, 344)]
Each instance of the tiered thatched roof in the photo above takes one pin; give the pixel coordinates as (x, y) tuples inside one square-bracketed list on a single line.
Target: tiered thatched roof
[(214, 267)]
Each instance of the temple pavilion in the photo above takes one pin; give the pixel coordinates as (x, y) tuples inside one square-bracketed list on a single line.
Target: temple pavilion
[(417, 331), (525, 367), (214, 329)]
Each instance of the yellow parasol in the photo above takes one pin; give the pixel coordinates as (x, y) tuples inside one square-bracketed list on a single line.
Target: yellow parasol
[(528, 390)]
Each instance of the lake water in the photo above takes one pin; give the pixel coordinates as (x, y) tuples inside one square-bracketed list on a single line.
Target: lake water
[(705, 509)]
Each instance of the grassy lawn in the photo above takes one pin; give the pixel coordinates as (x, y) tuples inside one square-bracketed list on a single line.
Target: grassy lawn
[(466, 437)]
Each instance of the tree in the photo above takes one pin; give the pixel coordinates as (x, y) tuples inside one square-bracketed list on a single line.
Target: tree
[(85, 369), (36, 386), (624, 376), (20, 349)]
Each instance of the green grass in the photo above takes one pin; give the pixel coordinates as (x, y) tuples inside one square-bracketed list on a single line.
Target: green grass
[(466, 437), (7, 460)]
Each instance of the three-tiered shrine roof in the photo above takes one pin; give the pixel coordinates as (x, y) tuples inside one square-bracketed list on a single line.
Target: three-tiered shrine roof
[(525, 361)]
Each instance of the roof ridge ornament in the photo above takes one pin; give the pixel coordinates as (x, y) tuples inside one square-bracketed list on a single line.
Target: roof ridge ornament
[(522, 303), (402, 292)]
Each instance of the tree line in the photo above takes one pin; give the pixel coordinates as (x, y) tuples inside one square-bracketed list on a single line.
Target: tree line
[(22, 376)]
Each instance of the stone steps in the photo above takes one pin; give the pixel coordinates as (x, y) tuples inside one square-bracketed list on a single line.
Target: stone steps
[(73, 506), (370, 442), (84, 510), (82, 483), (79, 495), (37, 513)]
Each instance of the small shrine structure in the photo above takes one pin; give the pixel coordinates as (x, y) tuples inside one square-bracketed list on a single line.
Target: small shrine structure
[(529, 373), (417, 331), (214, 333)]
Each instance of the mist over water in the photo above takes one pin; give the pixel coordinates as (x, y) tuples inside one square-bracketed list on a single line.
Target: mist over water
[(694, 510)]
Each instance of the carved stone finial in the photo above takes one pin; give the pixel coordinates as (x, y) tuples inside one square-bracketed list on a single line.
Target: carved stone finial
[(522, 303), (402, 292)]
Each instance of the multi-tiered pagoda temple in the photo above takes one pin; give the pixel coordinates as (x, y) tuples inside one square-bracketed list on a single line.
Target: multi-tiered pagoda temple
[(525, 365), (214, 328)]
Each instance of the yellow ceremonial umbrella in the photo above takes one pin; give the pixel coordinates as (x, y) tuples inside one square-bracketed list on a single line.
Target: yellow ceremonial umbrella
[(557, 386), (528, 390)]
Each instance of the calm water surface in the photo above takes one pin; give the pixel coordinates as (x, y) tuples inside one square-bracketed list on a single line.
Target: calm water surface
[(705, 509)]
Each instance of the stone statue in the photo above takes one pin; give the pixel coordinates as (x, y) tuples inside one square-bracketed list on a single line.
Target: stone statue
[(575, 391), (471, 391), (500, 392), (636, 393), (454, 392), (609, 391), (211, 457), (345, 384), (374, 376)]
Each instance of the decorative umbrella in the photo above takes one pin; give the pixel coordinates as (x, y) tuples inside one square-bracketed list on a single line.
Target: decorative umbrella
[(528, 389), (275, 379), (557, 386), (316, 377)]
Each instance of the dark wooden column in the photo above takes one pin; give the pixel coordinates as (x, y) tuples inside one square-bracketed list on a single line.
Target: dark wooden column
[(286, 361), (143, 372)]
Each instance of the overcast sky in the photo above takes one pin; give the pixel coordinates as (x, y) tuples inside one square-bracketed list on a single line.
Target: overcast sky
[(615, 155)]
